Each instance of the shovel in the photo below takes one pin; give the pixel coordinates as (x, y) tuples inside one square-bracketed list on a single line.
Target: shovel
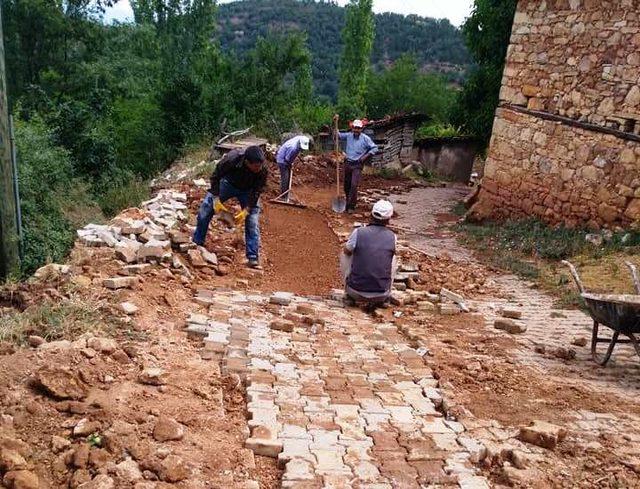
[(339, 202)]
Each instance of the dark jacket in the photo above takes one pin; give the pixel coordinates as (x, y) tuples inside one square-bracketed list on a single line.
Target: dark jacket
[(232, 168)]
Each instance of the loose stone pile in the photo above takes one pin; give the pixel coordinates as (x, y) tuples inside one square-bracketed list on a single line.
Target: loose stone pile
[(155, 233)]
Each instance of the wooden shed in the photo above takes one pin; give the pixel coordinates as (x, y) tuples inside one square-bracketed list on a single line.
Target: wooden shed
[(394, 136)]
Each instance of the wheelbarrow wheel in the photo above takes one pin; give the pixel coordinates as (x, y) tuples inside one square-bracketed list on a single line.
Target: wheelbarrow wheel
[(602, 360)]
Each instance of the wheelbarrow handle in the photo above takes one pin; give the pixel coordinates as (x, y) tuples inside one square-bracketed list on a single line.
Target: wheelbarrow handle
[(634, 275), (575, 275)]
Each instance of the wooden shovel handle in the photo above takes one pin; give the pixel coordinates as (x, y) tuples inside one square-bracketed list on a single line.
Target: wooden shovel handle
[(336, 143)]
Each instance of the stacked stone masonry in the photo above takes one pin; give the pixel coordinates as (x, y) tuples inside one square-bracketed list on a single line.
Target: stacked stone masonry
[(578, 60), (559, 173)]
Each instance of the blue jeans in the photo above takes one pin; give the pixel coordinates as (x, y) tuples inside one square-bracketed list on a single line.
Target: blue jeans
[(251, 224)]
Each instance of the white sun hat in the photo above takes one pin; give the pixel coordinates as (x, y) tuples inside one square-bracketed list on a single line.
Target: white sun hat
[(304, 143), (383, 209)]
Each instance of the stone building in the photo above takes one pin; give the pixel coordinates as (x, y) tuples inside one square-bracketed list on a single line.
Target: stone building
[(566, 136)]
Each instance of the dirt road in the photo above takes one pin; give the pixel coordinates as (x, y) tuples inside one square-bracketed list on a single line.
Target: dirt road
[(215, 381)]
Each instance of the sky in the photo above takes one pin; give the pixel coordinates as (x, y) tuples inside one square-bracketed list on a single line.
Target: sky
[(454, 10)]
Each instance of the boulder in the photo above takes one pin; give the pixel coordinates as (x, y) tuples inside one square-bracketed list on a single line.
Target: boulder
[(60, 383), (103, 345), (174, 469), (167, 429), (153, 376), (100, 481), (21, 479), (11, 460), (128, 471)]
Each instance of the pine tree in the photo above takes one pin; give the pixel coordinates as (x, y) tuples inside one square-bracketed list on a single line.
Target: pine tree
[(355, 63)]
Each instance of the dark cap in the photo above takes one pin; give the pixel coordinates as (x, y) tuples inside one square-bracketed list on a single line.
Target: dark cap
[(254, 154)]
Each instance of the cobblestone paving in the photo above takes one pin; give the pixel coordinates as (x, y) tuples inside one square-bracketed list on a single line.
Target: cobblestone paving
[(341, 400), (547, 326), (552, 328)]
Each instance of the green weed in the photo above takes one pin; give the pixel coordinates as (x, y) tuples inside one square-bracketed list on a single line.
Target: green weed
[(55, 321)]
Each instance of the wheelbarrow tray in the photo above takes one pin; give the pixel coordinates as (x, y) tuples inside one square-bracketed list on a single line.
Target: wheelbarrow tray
[(618, 312), (621, 313)]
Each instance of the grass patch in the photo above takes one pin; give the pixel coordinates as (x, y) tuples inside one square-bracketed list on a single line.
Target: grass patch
[(459, 209), (53, 321), (532, 250), (122, 196)]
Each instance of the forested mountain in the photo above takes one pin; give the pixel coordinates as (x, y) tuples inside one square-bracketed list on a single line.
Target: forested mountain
[(437, 45)]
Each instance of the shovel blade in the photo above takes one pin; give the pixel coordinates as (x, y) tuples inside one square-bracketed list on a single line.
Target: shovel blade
[(339, 204)]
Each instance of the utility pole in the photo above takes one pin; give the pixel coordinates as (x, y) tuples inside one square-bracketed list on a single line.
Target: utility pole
[(9, 239)]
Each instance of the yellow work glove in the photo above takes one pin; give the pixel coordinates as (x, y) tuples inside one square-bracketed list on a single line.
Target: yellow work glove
[(241, 216), (219, 207)]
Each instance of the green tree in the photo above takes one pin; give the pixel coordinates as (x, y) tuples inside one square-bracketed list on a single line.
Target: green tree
[(54, 201), (357, 38), (402, 88), (487, 32)]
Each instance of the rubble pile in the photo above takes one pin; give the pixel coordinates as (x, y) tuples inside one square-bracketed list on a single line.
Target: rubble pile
[(156, 233), (441, 271)]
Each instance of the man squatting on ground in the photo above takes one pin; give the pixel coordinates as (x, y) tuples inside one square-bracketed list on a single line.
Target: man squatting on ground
[(286, 157), (360, 149), (240, 174), (368, 264)]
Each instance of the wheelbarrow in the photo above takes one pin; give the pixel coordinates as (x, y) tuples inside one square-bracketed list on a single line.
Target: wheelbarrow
[(619, 312)]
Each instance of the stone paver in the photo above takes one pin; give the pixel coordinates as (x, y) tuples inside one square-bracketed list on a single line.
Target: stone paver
[(347, 406), (548, 328)]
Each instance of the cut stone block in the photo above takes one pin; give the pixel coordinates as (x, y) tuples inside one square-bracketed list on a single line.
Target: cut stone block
[(542, 434), (116, 283), (281, 298), (510, 326), (511, 313), (266, 448)]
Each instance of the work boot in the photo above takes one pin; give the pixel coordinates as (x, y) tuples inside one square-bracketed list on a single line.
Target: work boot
[(253, 264)]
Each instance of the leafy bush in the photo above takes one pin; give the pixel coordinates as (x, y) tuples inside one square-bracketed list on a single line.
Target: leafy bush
[(403, 88), (49, 193), (438, 130), (120, 192)]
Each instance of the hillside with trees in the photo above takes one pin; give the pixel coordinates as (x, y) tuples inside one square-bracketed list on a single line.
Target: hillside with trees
[(100, 109), (436, 45)]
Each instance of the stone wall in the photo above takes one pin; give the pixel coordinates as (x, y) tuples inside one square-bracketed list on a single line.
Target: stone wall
[(559, 173), (566, 144), (577, 58)]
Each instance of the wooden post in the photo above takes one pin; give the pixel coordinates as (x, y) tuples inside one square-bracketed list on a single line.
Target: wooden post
[(9, 240)]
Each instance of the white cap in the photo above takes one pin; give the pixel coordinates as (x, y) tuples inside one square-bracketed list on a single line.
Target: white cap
[(357, 123), (304, 143), (383, 209)]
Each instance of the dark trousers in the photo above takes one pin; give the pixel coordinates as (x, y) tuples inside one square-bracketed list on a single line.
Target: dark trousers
[(285, 179), (352, 175)]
